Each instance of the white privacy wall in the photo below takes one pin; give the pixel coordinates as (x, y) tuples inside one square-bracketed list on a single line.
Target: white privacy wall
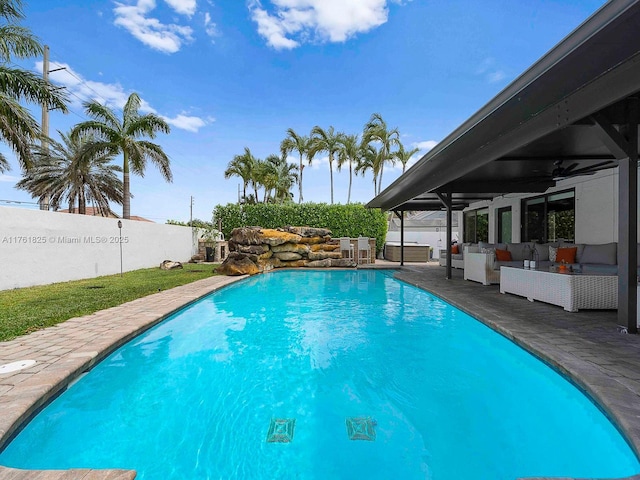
[(40, 247)]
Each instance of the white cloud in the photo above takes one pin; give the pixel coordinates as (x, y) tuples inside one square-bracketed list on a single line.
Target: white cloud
[(9, 178), (167, 38), (185, 7), (496, 76), (289, 23), (81, 89), (185, 122), (426, 145), (319, 163), (272, 29), (489, 71), (112, 94), (210, 27)]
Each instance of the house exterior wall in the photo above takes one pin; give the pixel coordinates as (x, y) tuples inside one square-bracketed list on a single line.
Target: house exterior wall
[(596, 208), (40, 247)]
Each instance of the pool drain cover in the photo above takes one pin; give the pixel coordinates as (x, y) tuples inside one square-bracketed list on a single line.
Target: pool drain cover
[(361, 428), (281, 430), (15, 366)]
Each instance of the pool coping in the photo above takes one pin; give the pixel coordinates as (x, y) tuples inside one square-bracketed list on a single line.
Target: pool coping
[(617, 396), (65, 351)]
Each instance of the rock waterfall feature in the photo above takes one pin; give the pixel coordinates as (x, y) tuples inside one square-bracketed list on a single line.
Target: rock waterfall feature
[(254, 250)]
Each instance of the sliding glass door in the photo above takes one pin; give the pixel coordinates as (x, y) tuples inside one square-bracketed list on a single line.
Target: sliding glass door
[(549, 218)]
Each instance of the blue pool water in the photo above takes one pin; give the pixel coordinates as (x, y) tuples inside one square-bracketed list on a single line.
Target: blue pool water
[(193, 398)]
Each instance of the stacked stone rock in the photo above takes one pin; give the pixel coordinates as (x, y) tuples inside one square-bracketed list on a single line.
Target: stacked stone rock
[(255, 249)]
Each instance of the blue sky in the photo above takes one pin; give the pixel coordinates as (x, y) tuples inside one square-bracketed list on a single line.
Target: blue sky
[(229, 74)]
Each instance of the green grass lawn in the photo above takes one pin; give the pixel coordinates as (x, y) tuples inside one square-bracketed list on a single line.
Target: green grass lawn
[(25, 310)]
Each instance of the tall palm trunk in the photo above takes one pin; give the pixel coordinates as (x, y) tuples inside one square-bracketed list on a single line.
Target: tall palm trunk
[(331, 174), (300, 182), (350, 181), (82, 202), (126, 197)]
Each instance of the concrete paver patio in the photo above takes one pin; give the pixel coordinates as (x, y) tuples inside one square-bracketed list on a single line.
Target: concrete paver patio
[(586, 346)]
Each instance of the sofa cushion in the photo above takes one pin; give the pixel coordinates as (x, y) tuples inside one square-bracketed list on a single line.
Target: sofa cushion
[(579, 249), (503, 255), (602, 254), (566, 254), (501, 246), (520, 251), (553, 250), (543, 250)]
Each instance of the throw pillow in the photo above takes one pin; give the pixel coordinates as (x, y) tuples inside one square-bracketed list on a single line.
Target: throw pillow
[(566, 254), (503, 255), (553, 252), (488, 250), (455, 249)]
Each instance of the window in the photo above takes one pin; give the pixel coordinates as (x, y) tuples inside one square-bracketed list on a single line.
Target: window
[(549, 218), (504, 225), (476, 226)]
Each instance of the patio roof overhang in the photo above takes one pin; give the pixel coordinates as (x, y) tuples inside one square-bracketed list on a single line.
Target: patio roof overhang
[(571, 106), (578, 107)]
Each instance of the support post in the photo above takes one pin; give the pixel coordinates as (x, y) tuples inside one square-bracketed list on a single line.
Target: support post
[(445, 198), (401, 238), (628, 225)]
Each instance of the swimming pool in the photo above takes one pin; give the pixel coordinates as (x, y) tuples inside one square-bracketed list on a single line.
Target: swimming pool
[(195, 396)]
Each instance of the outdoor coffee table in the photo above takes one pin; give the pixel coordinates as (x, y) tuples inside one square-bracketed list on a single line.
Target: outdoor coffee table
[(572, 291)]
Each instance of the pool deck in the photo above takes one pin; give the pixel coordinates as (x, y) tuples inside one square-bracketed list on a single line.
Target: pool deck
[(585, 346)]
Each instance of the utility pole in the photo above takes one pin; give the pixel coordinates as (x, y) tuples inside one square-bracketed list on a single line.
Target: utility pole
[(191, 212), (44, 142), (44, 203)]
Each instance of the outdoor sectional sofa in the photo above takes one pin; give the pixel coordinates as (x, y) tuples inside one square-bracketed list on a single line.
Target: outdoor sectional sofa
[(457, 259), (480, 264)]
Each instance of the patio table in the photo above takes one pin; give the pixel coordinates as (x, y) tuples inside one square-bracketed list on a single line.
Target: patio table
[(570, 290)]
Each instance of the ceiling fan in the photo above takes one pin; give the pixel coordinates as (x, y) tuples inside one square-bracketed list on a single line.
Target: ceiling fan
[(562, 173)]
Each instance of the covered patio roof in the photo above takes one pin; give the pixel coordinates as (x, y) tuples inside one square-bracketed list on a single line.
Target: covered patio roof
[(565, 115), (575, 111)]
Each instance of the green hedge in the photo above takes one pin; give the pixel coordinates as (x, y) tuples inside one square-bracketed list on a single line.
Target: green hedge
[(352, 220)]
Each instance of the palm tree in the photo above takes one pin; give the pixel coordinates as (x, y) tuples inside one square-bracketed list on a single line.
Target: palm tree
[(369, 159), (403, 156), (265, 176), (326, 141), (376, 131), (123, 136), (286, 177), (300, 144), (73, 171), (242, 166), (350, 152), (18, 128)]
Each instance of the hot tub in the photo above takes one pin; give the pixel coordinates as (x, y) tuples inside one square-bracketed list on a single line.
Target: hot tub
[(413, 252)]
